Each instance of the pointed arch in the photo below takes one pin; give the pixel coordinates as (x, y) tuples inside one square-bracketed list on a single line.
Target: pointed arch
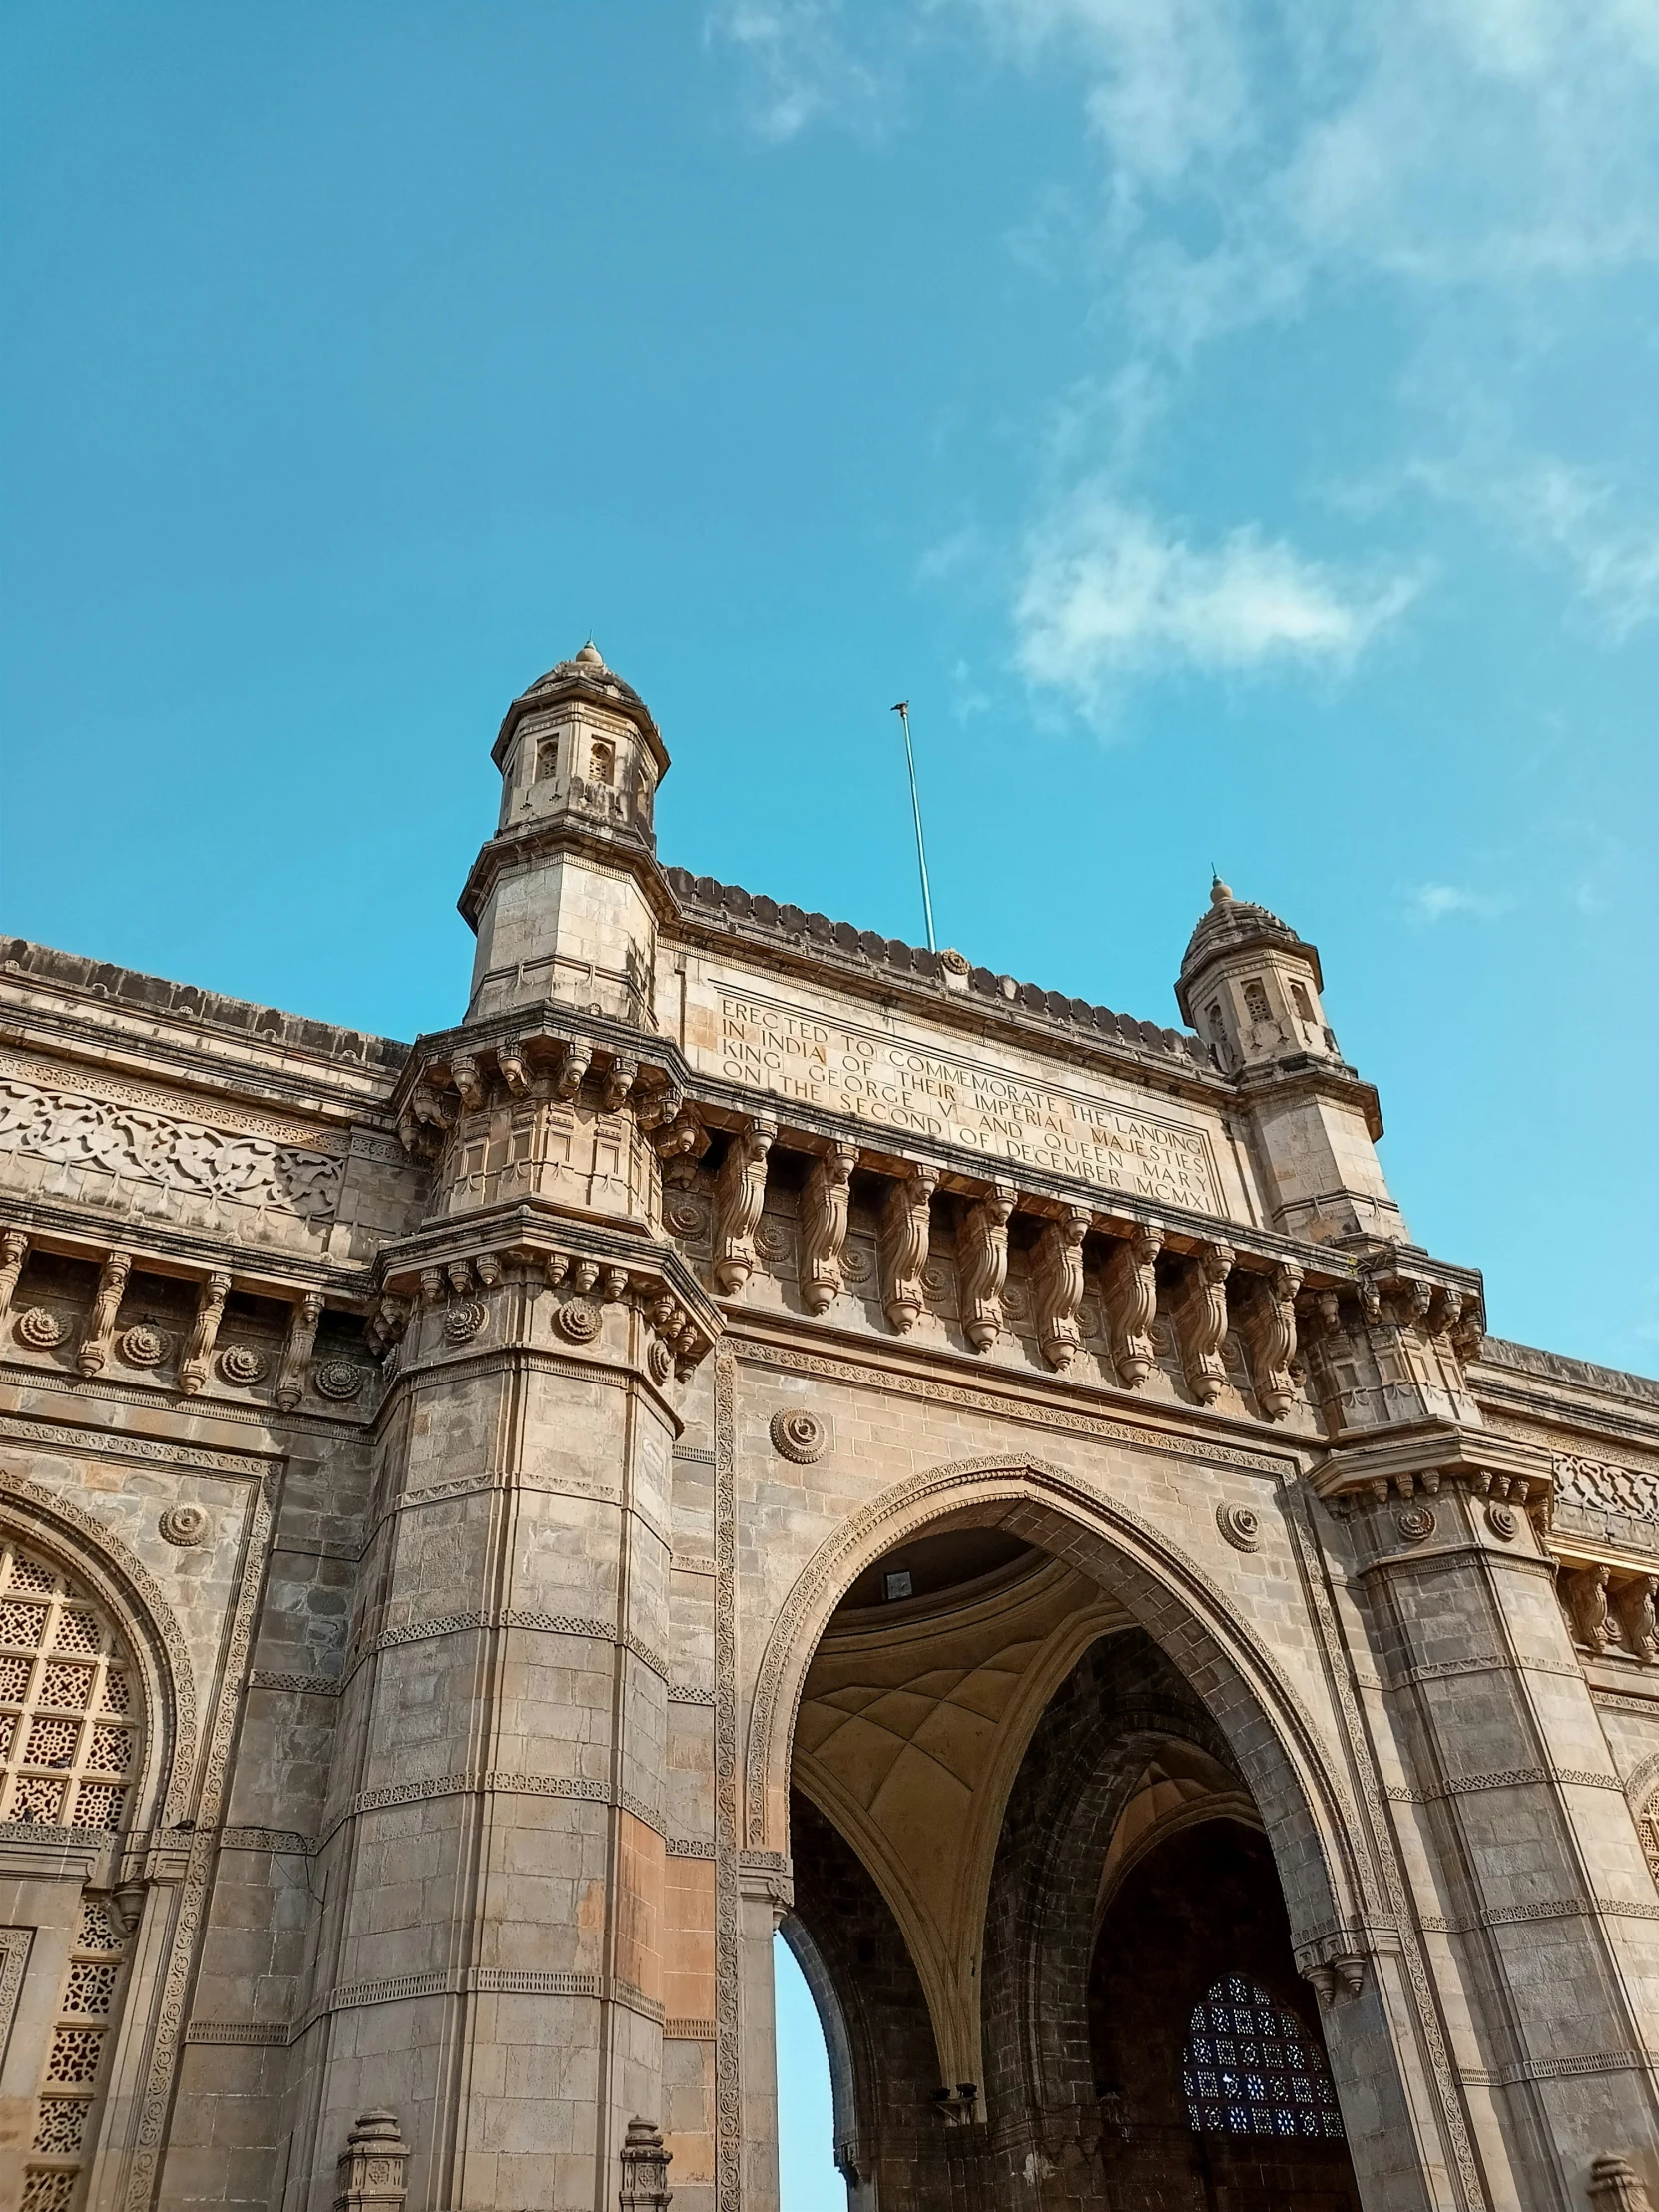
[(83, 1548), (1304, 1804)]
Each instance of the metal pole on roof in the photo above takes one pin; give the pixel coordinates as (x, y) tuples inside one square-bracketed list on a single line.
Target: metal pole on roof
[(903, 711)]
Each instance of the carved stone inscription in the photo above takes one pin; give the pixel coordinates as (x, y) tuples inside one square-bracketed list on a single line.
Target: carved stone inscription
[(905, 1086)]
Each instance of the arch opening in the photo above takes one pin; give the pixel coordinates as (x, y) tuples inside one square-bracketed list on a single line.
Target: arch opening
[(1007, 1725)]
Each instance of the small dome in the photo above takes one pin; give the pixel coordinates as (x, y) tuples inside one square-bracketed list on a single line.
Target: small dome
[(1231, 923), (590, 656)]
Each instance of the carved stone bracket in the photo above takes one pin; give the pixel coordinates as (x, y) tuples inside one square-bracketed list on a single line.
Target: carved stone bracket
[(1269, 1338), (297, 1350), (210, 1311), (1057, 1285), (1131, 1285), (906, 1224), (740, 1195), (983, 1265), (1423, 1459), (1338, 1979), (822, 1226), (1201, 1321), (373, 2168), (1612, 1609), (14, 1250), (105, 1304)]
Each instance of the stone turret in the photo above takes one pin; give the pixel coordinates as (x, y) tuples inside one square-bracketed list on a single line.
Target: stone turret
[(1252, 989), (559, 896)]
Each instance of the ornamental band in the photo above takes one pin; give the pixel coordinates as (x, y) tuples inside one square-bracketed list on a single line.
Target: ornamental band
[(762, 1428)]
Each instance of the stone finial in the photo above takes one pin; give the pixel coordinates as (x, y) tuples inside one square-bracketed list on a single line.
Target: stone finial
[(373, 2168), (645, 2165), (1615, 2186)]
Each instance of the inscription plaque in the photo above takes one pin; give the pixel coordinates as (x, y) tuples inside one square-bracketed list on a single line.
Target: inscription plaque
[(904, 1085)]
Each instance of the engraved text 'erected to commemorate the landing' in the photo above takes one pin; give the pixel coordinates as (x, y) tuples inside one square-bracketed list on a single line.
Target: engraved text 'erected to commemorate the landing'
[(906, 1086)]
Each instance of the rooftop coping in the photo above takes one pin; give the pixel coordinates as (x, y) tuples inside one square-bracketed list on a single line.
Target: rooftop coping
[(701, 894)]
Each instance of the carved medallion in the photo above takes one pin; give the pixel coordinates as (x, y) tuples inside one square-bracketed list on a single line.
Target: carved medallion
[(935, 1279), (686, 1217), (338, 1379), (1503, 1521), (772, 1241), (660, 1361), (1090, 1320), (800, 1436), (240, 1364), (40, 1328), (1415, 1523), (579, 1319), (1240, 1525), (858, 1265), (183, 1526), (1016, 1302), (143, 1345), (464, 1319)]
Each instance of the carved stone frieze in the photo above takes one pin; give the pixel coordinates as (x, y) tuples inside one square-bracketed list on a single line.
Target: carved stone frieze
[(114, 1154), (822, 1226), (1057, 1285), (1131, 1285), (983, 1265), (907, 1226)]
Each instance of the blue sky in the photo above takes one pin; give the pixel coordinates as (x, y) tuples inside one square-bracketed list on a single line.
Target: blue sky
[(1229, 424)]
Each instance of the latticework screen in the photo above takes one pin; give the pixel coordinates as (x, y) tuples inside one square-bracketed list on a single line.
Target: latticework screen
[(1251, 2068), (67, 1724)]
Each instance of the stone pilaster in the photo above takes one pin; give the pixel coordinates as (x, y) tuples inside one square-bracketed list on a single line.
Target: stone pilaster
[(1519, 1852)]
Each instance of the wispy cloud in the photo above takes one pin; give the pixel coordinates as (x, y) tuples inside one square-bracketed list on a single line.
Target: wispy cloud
[(802, 65), (1428, 904), (1110, 590)]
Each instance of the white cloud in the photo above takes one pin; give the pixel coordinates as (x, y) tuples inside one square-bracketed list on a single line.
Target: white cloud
[(800, 65), (1428, 903), (1109, 591)]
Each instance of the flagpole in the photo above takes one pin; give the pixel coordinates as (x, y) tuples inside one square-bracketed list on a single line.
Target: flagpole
[(903, 711)]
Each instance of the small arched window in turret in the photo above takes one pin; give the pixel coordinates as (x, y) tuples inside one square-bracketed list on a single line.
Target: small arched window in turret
[(1302, 1003), (602, 758), (547, 758), (1256, 1002), (68, 1748), (1251, 2068)]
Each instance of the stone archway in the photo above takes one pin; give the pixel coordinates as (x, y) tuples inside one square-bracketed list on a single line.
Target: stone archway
[(1238, 1706)]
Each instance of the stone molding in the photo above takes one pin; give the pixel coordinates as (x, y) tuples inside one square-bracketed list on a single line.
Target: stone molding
[(492, 1781), (407, 1989), (510, 1616), (106, 1444), (14, 1957), (1508, 1778), (1546, 1909), (979, 1397)]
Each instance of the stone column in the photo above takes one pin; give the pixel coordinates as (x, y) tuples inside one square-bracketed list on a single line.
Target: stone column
[(766, 1898), (489, 1964), (1519, 1853)]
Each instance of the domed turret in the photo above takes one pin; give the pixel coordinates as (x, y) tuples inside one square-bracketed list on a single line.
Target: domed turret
[(559, 896), (1251, 987), (581, 738)]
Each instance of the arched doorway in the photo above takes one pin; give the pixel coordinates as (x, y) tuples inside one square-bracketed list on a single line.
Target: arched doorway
[(998, 1783)]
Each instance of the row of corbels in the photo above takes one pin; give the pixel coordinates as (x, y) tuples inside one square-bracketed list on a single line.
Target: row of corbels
[(1613, 1608), (546, 1063), (96, 1342), (1532, 1492), (1202, 1311), (1390, 1296), (586, 1285)]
